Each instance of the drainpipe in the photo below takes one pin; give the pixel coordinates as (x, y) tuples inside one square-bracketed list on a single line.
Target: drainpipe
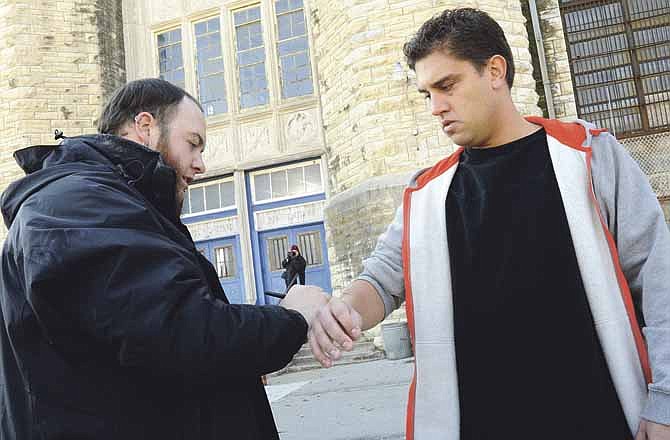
[(537, 33)]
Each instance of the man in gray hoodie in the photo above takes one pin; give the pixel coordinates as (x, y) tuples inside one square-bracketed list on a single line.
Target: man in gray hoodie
[(526, 260)]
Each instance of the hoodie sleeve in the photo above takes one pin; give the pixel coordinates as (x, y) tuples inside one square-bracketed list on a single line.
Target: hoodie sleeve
[(383, 268), (638, 226), (104, 280)]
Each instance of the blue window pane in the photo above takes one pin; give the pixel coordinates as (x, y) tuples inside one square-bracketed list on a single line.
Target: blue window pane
[(293, 45), (212, 197), (299, 24), (162, 39), (256, 37), (281, 6), (213, 25), (213, 66), (254, 14), (240, 17), (295, 4), (200, 28), (301, 59), (250, 57), (243, 39), (279, 184), (227, 194), (284, 24), (197, 200), (262, 187), (185, 208), (259, 70), (175, 35)]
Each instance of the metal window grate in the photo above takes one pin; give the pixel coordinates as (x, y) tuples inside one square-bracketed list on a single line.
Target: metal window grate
[(310, 247), (225, 261), (619, 52), (277, 250)]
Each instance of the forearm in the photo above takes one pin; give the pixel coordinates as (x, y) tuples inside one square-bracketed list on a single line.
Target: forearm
[(363, 297)]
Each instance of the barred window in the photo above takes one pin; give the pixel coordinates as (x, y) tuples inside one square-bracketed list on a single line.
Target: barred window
[(293, 49), (277, 250), (310, 247), (170, 60), (619, 52), (225, 261), (251, 58), (209, 67)]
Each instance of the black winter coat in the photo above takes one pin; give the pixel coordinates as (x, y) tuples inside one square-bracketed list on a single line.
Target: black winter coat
[(112, 325)]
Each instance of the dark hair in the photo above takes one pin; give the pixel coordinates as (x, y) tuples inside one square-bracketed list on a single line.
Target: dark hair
[(153, 95), (467, 34)]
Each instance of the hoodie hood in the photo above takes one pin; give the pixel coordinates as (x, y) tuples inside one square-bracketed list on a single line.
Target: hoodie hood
[(138, 165)]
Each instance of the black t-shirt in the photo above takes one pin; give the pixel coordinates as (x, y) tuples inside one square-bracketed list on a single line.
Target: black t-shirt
[(530, 365)]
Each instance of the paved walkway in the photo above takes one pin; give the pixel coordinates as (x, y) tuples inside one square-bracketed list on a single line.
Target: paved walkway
[(350, 402)]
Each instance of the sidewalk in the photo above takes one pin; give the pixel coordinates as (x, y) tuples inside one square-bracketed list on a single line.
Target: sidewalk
[(349, 402)]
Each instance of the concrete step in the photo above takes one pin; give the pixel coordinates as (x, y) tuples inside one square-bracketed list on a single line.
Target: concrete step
[(363, 351)]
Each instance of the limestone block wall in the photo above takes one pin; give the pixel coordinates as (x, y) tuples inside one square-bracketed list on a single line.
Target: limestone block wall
[(59, 60), (376, 124), (558, 65)]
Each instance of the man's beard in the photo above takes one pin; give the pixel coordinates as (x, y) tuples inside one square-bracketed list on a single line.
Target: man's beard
[(162, 148)]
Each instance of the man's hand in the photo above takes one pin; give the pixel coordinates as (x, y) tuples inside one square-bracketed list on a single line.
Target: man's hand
[(336, 326), (307, 300), (652, 431)]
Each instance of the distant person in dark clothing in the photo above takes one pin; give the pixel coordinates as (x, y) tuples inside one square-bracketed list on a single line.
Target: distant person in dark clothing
[(294, 264)]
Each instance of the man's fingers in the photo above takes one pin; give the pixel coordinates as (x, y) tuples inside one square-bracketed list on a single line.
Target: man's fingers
[(319, 355), (325, 341), (642, 431), (349, 320), (333, 329)]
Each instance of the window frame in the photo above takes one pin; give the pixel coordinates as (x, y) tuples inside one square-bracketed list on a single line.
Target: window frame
[(211, 211), (224, 72), (233, 259), (620, 112), (303, 164), (157, 47), (267, 60), (275, 18)]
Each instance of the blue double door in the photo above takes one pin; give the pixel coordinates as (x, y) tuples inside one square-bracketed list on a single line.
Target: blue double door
[(274, 246), (224, 254)]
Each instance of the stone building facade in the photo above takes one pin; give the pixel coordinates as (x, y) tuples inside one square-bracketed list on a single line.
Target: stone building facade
[(314, 122), (59, 59)]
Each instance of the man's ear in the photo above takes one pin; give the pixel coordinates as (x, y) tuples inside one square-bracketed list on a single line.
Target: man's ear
[(497, 70), (144, 123)]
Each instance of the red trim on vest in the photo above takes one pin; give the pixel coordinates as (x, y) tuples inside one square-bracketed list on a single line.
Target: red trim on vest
[(623, 284), (437, 169), (409, 426), (571, 134), (409, 307), (597, 131)]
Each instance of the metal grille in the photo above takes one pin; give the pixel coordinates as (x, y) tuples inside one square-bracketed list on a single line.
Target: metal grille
[(652, 153), (619, 53), (310, 247), (277, 250)]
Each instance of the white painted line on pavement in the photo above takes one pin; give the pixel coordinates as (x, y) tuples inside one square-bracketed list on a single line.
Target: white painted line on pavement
[(276, 392)]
